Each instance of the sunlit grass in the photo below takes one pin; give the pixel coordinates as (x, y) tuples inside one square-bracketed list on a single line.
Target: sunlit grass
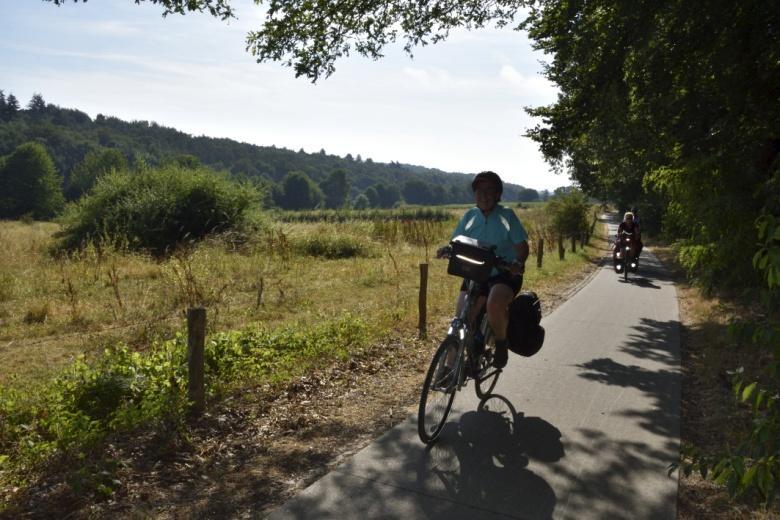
[(52, 309)]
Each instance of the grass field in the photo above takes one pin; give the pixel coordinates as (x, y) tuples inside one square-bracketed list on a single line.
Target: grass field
[(91, 345), (52, 309)]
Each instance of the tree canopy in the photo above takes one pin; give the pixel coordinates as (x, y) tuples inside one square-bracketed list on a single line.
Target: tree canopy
[(672, 104), (94, 165), (30, 184), (311, 36)]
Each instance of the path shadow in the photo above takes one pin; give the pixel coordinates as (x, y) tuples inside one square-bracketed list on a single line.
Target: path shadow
[(477, 469), (613, 483), (658, 342), (482, 460), (644, 282)]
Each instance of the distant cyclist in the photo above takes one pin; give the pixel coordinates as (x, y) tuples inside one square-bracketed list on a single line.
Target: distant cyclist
[(629, 225), (635, 211), (494, 224)]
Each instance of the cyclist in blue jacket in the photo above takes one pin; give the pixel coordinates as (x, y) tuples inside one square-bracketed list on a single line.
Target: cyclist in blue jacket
[(496, 225)]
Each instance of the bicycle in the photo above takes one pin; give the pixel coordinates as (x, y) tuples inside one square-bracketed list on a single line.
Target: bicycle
[(624, 259), (456, 360)]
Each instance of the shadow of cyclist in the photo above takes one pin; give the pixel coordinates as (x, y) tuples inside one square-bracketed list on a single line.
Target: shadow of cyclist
[(481, 461)]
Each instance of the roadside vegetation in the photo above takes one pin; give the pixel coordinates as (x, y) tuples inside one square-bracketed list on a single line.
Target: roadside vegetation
[(722, 330)]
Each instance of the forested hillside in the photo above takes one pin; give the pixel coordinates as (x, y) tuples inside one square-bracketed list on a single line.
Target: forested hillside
[(69, 135)]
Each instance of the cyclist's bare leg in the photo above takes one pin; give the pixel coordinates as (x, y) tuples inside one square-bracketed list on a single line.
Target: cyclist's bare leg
[(499, 299), (474, 311), (498, 302)]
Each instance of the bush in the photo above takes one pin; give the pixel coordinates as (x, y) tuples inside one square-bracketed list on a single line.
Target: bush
[(156, 210)]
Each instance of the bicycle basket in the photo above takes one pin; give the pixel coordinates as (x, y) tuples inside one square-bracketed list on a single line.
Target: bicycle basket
[(471, 259)]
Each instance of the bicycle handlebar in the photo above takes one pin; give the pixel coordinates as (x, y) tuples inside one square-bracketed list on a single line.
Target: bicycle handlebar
[(498, 262)]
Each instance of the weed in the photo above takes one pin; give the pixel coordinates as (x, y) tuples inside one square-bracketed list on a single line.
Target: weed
[(113, 280), (333, 246), (37, 313)]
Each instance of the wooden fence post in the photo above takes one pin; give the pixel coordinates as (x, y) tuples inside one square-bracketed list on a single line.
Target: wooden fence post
[(539, 253), (423, 300), (561, 250), (196, 341)]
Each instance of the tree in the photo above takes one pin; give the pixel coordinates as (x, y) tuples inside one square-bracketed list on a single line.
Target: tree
[(11, 108), (569, 212), (30, 184), (385, 196), (372, 196), (299, 192), (310, 39), (187, 162), (417, 191), (217, 8), (361, 202), (2, 105), (335, 188), (311, 36), (528, 195), (37, 105), (95, 164), (654, 107)]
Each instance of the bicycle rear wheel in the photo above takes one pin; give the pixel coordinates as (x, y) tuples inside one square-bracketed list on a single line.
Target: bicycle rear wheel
[(487, 375), (438, 391)]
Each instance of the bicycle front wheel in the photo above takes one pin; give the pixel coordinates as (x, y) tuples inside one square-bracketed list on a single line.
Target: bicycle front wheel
[(438, 391)]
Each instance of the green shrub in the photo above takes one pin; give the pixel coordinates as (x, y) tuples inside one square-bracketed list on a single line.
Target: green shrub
[(156, 210), (333, 246)]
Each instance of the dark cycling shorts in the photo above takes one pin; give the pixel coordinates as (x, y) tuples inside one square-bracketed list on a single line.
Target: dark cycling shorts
[(513, 281)]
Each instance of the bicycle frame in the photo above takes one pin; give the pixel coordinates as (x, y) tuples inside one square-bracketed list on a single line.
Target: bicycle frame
[(455, 361), (463, 333)]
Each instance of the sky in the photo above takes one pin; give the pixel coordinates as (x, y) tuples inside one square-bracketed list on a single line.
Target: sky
[(457, 105)]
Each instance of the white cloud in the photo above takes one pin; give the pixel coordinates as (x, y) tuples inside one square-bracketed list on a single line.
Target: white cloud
[(535, 86)]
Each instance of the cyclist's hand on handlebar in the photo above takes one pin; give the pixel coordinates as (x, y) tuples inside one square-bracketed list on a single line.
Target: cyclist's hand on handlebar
[(443, 252), (517, 267)]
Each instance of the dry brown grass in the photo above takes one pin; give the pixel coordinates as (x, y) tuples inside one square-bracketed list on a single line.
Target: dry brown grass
[(710, 418), (52, 309)]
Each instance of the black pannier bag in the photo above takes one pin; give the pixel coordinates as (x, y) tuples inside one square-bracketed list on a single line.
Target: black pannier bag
[(524, 333), (471, 259)]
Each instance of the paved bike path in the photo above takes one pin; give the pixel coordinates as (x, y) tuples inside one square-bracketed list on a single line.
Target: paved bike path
[(584, 429)]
